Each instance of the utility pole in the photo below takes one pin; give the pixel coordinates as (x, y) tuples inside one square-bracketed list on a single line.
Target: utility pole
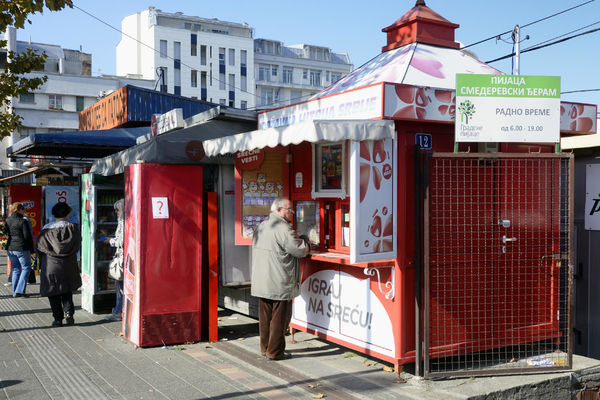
[(516, 36)]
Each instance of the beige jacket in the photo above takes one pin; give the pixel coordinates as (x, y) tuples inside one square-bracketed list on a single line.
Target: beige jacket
[(275, 264)]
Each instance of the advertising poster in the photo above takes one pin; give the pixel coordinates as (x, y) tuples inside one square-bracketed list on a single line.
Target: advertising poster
[(31, 198), (261, 177), (507, 108), (331, 166), (343, 306), (61, 194), (592, 197), (87, 255), (373, 205), (131, 273)]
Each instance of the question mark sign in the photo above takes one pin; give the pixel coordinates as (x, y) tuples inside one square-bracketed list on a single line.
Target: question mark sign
[(160, 206)]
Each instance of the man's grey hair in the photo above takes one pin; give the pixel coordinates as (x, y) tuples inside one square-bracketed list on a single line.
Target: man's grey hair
[(278, 203)]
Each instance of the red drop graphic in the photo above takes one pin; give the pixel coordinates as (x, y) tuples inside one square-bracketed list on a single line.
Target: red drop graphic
[(375, 227), (378, 151), (573, 113), (421, 99), (573, 125), (384, 210), (406, 112), (406, 94), (387, 245), (585, 124), (377, 247), (377, 178), (445, 96), (364, 150), (443, 109), (365, 172), (388, 228), (421, 113)]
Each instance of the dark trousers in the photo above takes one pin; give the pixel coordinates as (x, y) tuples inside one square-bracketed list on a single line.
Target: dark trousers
[(273, 319), (62, 304)]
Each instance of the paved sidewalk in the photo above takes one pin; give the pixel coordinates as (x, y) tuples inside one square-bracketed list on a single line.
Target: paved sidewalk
[(92, 361)]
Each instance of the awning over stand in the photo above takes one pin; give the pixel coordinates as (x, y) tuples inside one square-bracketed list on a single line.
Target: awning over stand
[(317, 131)]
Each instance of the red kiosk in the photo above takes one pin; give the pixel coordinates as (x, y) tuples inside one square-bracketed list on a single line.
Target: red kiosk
[(347, 160)]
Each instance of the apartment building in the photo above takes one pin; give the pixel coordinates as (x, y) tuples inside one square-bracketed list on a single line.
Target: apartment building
[(70, 88), (195, 57), (289, 74), (220, 62)]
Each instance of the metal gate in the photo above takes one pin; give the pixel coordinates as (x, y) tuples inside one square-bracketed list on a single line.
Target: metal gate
[(497, 263)]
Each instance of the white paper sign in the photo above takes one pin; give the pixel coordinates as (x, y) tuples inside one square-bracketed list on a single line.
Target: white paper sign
[(160, 208), (592, 197)]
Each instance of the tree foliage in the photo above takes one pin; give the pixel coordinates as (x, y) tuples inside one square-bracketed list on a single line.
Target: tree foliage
[(12, 78)]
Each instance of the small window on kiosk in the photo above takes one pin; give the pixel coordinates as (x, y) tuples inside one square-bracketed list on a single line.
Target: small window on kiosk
[(307, 220), (330, 170)]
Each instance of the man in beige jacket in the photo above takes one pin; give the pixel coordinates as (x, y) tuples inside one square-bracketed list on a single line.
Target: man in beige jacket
[(276, 249)]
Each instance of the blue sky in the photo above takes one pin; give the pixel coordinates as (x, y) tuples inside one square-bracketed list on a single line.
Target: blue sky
[(354, 27)]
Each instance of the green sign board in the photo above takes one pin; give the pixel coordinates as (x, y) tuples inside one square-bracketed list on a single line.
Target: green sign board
[(507, 108)]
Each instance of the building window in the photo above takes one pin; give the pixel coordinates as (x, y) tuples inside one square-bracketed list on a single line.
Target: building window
[(221, 60), (194, 45), (202, 55), (177, 50), (231, 56), (27, 98), (243, 83), (305, 74), (223, 102), (288, 75), (315, 78), (265, 71), (231, 82), (163, 48), (327, 76), (194, 80), (243, 62), (243, 104), (269, 96), (222, 82), (335, 77), (55, 102), (203, 90), (79, 104)]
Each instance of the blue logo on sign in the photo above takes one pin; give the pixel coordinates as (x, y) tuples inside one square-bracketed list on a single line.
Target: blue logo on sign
[(424, 140)]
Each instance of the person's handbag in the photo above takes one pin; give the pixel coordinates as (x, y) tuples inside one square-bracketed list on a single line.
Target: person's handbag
[(114, 269), (34, 265)]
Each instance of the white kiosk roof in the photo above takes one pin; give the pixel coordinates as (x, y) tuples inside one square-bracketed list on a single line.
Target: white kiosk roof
[(316, 131)]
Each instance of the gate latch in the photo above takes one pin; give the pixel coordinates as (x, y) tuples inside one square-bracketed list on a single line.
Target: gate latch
[(504, 222), (505, 239)]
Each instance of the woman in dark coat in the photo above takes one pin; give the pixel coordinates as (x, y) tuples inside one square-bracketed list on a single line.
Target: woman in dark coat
[(57, 246), (19, 247)]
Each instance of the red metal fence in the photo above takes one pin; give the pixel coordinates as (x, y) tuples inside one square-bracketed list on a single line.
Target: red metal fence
[(497, 260)]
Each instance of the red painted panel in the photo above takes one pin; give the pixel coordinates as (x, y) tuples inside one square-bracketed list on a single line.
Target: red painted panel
[(167, 252)]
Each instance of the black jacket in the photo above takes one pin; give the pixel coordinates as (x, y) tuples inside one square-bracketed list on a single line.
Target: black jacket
[(57, 247), (19, 234)]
